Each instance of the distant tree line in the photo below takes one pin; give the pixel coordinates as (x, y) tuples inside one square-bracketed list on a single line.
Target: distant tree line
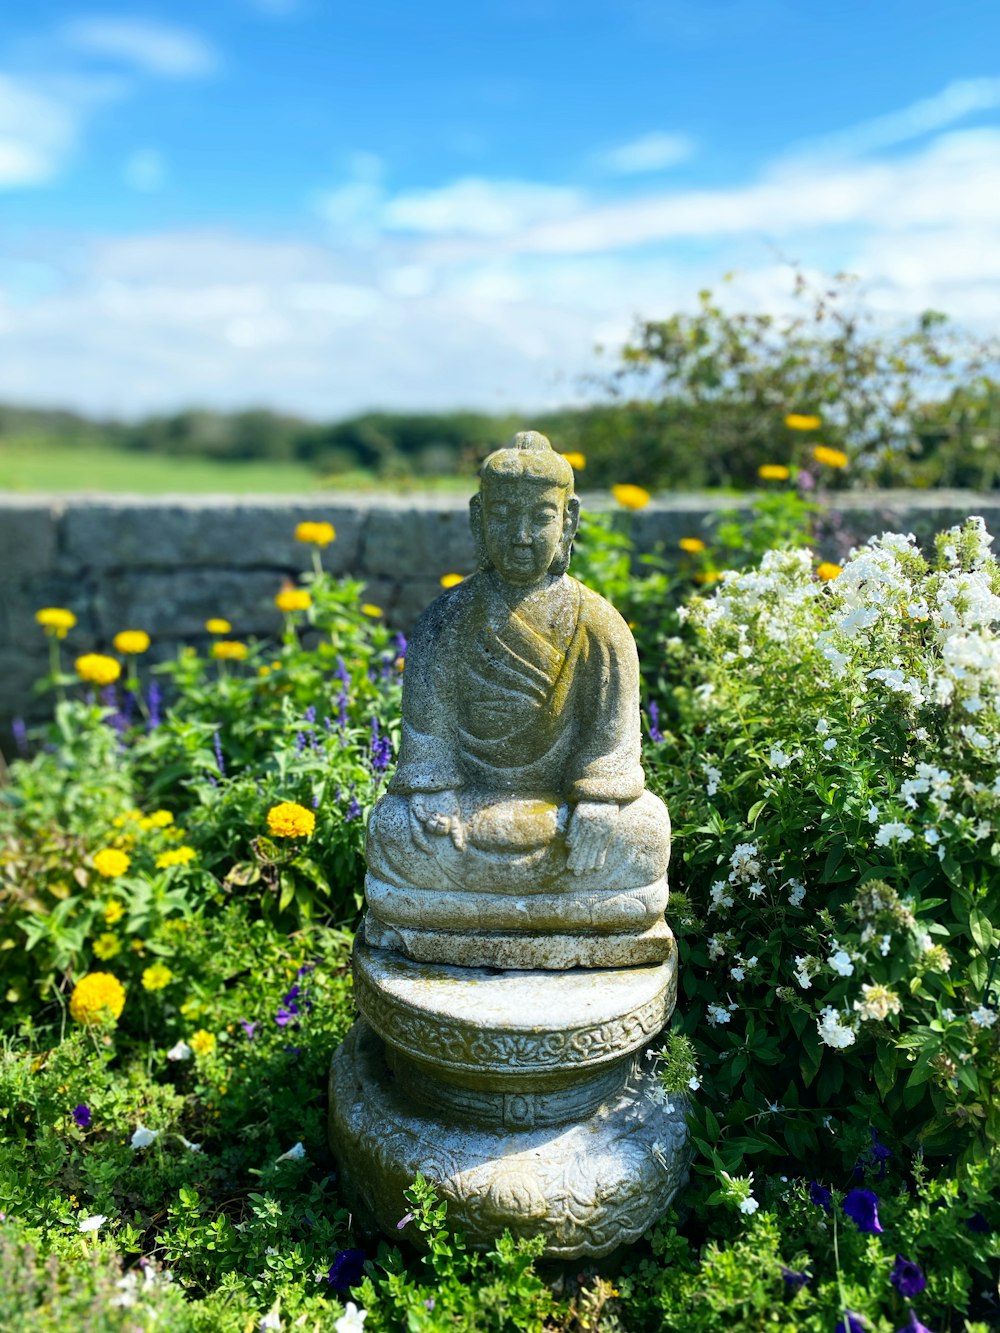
[(695, 400)]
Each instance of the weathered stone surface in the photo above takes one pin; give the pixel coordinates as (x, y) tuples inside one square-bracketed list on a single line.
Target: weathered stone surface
[(425, 539), (28, 533), (588, 1186), (138, 599), (511, 1031)]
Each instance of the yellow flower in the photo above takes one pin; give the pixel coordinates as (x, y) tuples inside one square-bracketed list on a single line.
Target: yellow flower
[(110, 862), (113, 911), (156, 977), (202, 1042), (97, 996), (317, 534), (131, 642), (798, 421), (629, 496), (218, 626), (98, 669), (400, 663), (691, 544), (452, 580), (830, 457), (263, 670), (55, 621), (709, 576), (176, 856), (577, 461), (773, 472), (369, 609), (229, 650), (289, 820), (827, 571), (106, 946), (161, 819), (293, 599)]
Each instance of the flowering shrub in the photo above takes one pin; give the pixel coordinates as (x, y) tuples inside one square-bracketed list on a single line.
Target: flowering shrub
[(838, 819)]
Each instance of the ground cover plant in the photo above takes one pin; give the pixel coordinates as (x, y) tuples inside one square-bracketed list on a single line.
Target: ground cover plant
[(180, 872)]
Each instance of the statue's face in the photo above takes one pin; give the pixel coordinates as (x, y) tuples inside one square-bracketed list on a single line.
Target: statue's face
[(523, 524)]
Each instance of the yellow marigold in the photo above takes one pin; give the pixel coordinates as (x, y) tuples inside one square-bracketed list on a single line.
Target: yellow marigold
[(830, 457), (156, 977), (218, 626), (691, 544), (97, 996), (229, 650), (106, 946), (293, 599), (55, 621), (802, 421), (708, 576), (451, 580), (202, 1042), (161, 819), (317, 534), (629, 496), (98, 669), (113, 911), (773, 472), (400, 663), (131, 642), (176, 856), (828, 571), (576, 461), (370, 609), (290, 820), (110, 862)]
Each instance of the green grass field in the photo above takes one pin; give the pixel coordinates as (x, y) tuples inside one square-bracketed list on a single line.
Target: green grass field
[(36, 463)]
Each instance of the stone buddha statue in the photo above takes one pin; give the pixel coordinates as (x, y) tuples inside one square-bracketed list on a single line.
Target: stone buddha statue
[(516, 831)]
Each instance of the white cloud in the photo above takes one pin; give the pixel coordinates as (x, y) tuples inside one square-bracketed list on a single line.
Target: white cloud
[(37, 132), (157, 48), (959, 99), (475, 206), (650, 152)]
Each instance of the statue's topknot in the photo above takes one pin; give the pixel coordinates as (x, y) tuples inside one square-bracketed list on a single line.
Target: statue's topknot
[(529, 455)]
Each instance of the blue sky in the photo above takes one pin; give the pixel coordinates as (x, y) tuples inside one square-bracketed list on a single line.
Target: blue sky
[(325, 207)]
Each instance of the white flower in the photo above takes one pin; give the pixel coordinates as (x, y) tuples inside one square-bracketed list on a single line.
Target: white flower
[(748, 1206), (983, 1017), (756, 889), (892, 830), (713, 777), (720, 897), (352, 1320), (832, 1031), (829, 745), (948, 1014), (192, 1147), (822, 727), (143, 1137), (873, 814), (716, 949), (294, 1154), (717, 1014), (778, 758), (179, 1051), (932, 837), (801, 974), (694, 1082), (91, 1223), (272, 1320), (796, 892), (885, 946), (841, 963), (737, 973), (877, 1002)]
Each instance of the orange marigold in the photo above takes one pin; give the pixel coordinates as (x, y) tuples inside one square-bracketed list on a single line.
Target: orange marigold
[(828, 571)]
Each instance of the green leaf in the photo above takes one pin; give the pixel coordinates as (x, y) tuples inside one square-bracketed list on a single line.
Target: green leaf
[(753, 814), (981, 930)]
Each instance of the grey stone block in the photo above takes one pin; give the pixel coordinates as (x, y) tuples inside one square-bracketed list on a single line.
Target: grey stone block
[(27, 540), (429, 542), (176, 605)]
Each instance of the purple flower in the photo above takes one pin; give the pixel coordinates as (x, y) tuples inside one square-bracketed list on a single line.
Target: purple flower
[(794, 1281), (913, 1325), (876, 1156), (310, 716), (346, 1271), (342, 673), (400, 641), (429, 1303), (861, 1206), (353, 808), (315, 801), (82, 1116), (819, 1194), (655, 734), (300, 742), (248, 1027), (20, 736), (153, 703), (404, 1221), (286, 1015), (907, 1278), (306, 967), (853, 1324), (217, 746)]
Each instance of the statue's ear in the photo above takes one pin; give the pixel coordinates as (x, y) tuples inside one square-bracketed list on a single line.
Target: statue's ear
[(572, 521)]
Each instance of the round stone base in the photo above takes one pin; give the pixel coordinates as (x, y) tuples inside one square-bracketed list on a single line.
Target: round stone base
[(587, 1186)]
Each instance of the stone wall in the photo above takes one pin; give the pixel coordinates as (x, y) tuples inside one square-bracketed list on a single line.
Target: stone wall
[(166, 564)]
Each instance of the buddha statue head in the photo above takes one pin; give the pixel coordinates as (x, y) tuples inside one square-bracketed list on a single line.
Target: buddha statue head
[(525, 516)]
